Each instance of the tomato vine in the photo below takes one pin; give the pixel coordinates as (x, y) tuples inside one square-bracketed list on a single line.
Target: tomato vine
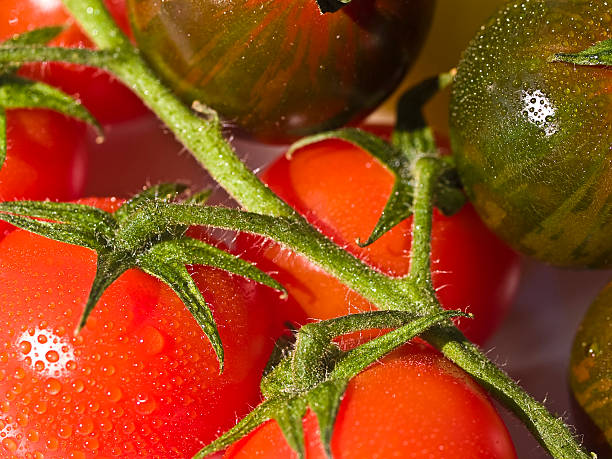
[(268, 215)]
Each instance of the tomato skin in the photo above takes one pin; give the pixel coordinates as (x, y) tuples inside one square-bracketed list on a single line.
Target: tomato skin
[(282, 71), (341, 190), (414, 404), (532, 138), (141, 379), (46, 157), (107, 99), (591, 366)]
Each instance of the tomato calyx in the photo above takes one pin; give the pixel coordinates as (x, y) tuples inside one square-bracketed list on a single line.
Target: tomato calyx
[(17, 92), (411, 140), (599, 54), (314, 373), (137, 235)]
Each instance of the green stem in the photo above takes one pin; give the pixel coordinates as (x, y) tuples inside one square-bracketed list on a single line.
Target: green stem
[(205, 141), (426, 171), (202, 138), (549, 430)]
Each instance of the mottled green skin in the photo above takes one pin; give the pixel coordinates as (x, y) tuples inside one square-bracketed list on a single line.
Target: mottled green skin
[(591, 363), (278, 68), (533, 139)]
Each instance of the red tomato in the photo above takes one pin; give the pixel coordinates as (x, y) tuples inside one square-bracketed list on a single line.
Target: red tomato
[(414, 403), (342, 190), (46, 157), (107, 99), (141, 379)]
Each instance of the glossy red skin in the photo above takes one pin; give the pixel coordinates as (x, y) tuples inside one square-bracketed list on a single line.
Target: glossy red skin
[(282, 70), (342, 190), (414, 403), (108, 100), (141, 380), (46, 157)]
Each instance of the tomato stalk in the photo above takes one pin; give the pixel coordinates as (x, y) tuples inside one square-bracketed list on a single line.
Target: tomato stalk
[(204, 139)]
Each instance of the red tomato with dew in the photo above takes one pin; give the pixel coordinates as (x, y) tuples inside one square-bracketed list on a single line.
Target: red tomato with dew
[(415, 403), (141, 379), (342, 190), (107, 99), (46, 157)]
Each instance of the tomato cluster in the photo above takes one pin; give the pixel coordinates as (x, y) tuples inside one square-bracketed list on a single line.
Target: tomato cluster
[(142, 380)]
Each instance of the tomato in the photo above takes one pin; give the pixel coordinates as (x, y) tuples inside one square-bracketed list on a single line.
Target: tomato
[(451, 30), (414, 403), (46, 157), (591, 365), (107, 99), (341, 190), (281, 71), (532, 138), (141, 379)]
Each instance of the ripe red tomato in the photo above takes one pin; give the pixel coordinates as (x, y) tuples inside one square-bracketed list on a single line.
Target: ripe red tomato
[(414, 403), (107, 99), (141, 379), (342, 190), (46, 157)]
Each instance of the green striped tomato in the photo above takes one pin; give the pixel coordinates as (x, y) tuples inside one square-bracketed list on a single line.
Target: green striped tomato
[(533, 138), (591, 365), (281, 70)]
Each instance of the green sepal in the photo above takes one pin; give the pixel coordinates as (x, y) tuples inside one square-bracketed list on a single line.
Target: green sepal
[(146, 232), (286, 398), (249, 423), (331, 6), (40, 36), (596, 55), (17, 92), (289, 419), (173, 272), (35, 37), (109, 268), (163, 192), (324, 401), (91, 223), (399, 205)]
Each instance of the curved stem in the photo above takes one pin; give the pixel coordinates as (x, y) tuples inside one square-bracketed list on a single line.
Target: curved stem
[(203, 138), (205, 141), (425, 173), (549, 430)]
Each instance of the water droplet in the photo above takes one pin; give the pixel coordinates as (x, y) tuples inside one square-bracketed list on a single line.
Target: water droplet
[(151, 340), (40, 407), (65, 432), (10, 444), (33, 435), (114, 394), (52, 443), (92, 444), (78, 385), (25, 347), (53, 386), (52, 356), (85, 427)]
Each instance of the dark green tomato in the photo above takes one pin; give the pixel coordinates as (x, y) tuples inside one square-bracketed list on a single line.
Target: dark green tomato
[(280, 69), (591, 363), (533, 138)]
